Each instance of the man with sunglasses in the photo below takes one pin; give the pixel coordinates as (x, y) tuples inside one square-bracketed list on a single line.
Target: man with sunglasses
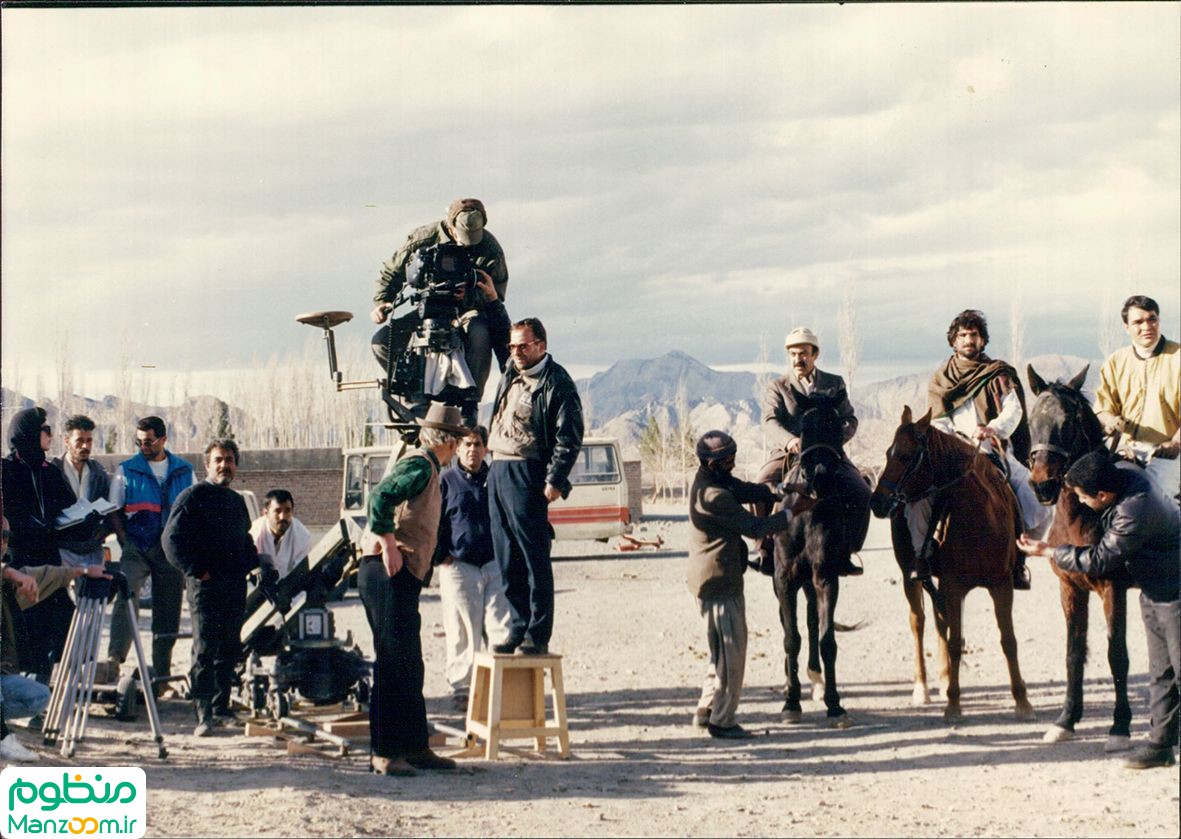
[(145, 487), (535, 438)]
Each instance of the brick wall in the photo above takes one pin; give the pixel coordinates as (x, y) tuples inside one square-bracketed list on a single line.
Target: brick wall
[(313, 476)]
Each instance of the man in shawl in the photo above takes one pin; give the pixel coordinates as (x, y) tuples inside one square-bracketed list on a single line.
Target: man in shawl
[(981, 399), (279, 534)]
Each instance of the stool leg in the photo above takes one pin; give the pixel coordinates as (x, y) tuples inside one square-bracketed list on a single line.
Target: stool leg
[(560, 709), (494, 700), (539, 705)]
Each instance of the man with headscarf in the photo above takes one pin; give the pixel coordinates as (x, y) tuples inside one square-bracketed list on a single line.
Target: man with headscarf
[(717, 560), (485, 325), (980, 399), (35, 493)]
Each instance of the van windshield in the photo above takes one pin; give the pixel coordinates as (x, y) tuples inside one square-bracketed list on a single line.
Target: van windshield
[(595, 465)]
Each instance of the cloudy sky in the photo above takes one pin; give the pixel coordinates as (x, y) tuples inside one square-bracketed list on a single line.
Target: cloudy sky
[(179, 183)]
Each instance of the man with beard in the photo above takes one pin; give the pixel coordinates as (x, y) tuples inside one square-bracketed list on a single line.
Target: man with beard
[(782, 421), (207, 538), (35, 493), (279, 534), (89, 482), (980, 399)]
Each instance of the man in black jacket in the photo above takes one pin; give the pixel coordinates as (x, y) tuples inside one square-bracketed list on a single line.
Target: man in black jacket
[(1141, 533), (535, 438), (207, 538)]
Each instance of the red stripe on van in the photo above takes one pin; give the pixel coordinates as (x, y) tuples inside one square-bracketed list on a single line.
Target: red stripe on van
[(585, 515)]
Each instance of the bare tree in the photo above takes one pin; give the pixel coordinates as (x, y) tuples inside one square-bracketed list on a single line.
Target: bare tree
[(1017, 329), (850, 340)]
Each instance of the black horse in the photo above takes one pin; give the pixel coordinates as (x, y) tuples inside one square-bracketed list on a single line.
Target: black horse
[(1063, 428), (810, 553)]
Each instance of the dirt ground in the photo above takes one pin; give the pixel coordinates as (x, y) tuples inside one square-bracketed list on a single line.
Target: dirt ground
[(634, 654)]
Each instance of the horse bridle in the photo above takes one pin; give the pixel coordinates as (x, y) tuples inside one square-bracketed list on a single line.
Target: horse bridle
[(894, 488), (1066, 455)]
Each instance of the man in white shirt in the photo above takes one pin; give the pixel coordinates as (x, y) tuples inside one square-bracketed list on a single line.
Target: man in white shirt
[(279, 534), (981, 399), (90, 482)]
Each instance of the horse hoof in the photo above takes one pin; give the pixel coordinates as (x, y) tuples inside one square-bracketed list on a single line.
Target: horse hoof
[(843, 721), (1057, 734), (792, 716), (1026, 712), (920, 695), (817, 681), (1117, 743), (952, 714)]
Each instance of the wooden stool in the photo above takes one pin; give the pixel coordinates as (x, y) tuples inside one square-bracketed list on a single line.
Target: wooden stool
[(507, 701)]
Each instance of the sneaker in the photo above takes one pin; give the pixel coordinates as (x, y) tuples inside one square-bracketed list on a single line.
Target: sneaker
[(529, 648), (11, 749), (730, 732), (204, 727), (427, 759), (395, 767), (1150, 757)]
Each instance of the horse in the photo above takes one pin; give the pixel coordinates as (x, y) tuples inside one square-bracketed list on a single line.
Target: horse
[(1063, 428), (809, 554), (978, 547)]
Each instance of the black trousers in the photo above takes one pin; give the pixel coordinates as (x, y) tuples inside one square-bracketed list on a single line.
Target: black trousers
[(1162, 623), (217, 607), (397, 710), (521, 541)]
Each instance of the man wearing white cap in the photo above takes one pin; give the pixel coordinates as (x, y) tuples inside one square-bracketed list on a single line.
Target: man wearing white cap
[(485, 327), (782, 417)]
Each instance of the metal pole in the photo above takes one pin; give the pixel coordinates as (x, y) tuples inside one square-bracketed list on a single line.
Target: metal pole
[(145, 682)]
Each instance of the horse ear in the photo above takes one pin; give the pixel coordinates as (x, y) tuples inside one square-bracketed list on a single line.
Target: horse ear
[(1036, 383), (1077, 382), (923, 423), (907, 416)]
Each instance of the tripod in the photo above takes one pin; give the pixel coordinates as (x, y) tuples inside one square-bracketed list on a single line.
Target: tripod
[(69, 705)]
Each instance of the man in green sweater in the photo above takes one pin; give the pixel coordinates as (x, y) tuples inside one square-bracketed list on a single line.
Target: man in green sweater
[(717, 561)]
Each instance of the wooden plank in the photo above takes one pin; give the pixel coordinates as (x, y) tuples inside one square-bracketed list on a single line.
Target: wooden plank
[(348, 728), (255, 729)]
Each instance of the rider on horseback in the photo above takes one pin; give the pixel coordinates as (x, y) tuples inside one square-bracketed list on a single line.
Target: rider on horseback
[(782, 418), (981, 399)]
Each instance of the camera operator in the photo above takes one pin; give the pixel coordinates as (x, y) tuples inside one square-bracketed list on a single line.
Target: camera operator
[(483, 326)]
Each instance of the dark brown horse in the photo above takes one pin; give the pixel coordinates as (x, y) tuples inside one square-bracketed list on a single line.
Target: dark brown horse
[(977, 546), (1063, 428), (809, 554)]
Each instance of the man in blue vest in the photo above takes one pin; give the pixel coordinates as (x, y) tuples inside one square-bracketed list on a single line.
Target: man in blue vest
[(145, 487)]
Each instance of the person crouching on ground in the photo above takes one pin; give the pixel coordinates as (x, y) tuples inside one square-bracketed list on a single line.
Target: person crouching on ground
[(397, 547), (717, 561), (476, 611)]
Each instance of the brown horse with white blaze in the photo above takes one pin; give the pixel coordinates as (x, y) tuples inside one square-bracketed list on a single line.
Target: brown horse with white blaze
[(1063, 427), (976, 513)]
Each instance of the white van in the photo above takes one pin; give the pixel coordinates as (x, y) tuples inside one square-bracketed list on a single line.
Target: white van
[(595, 509)]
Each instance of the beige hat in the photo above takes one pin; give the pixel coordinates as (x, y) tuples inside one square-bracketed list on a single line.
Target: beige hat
[(444, 417), (801, 335)]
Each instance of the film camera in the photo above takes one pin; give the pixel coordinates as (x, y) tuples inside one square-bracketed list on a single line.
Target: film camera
[(422, 350)]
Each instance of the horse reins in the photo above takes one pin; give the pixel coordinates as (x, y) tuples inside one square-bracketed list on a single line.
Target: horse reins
[(895, 487)]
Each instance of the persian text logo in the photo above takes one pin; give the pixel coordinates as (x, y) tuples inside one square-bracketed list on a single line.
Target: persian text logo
[(96, 801)]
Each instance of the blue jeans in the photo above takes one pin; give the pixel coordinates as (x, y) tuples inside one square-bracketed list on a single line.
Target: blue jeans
[(22, 697)]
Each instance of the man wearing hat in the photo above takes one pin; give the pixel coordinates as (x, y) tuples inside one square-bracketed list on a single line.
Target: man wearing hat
[(397, 547), (483, 330), (717, 561), (783, 416)]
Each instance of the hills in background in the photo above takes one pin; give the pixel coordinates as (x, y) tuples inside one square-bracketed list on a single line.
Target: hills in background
[(676, 389)]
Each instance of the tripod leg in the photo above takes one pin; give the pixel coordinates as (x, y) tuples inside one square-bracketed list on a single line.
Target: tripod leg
[(91, 663), (145, 682), (76, 721), (52, 723), (71, 661)]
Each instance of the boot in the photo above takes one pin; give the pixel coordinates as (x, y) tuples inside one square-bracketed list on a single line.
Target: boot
[(921, 570), (205, 721), (847, 568), (1021, 580)]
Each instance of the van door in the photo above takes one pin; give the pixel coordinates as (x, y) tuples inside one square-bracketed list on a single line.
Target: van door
[(597, 505)]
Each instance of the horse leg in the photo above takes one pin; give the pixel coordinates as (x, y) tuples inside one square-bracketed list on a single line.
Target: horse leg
[(914, 597), (812, 619), (786, 592), (1002, 601), (826, 593), (941, 631), (1075, 604), (1115, 608), (952, 649)]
